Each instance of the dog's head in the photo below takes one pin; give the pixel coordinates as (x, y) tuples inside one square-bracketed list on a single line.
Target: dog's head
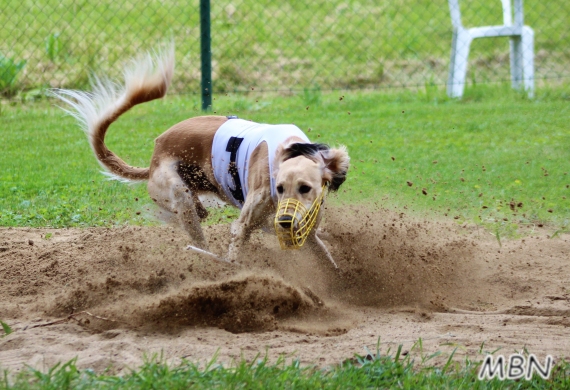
[(303, 171)]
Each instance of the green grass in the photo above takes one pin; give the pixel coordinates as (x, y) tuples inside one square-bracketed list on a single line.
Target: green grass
[(272, 44), (474, 158), (5, 328), (49, 177), (370, 371), (9, 70)]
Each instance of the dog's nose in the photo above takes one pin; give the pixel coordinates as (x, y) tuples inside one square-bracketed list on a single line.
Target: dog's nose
[(285, 221)]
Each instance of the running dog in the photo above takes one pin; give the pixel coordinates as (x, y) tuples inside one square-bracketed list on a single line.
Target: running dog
[(255, 167)]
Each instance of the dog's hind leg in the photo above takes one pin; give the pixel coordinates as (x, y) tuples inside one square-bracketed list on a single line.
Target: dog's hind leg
[(168, 190)]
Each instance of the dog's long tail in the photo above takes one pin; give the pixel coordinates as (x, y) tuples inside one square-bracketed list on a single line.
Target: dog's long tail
[(146, 79)]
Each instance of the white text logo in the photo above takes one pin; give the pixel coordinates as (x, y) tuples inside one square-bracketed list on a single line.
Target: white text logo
[(516, 367)]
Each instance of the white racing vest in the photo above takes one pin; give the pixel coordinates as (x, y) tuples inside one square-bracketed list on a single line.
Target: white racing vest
[(234, 142)]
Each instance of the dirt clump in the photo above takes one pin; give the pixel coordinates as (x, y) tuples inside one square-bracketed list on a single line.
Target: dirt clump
[(244, 304)]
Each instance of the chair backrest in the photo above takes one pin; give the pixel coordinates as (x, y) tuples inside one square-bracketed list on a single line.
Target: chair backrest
[(455, 12), (507, 13), (519, 13)]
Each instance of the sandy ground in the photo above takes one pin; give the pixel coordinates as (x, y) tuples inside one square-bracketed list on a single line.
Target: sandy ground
[(113, 296)]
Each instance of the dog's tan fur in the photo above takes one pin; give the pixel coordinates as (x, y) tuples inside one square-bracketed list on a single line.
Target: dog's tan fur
[(181, 170)]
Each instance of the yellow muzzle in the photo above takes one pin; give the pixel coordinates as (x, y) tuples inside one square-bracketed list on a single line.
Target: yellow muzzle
[(293, 222)]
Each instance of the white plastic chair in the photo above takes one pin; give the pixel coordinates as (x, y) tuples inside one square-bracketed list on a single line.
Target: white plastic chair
[(522, 47)]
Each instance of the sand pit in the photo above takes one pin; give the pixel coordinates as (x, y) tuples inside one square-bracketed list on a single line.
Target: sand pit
[(112, 296)]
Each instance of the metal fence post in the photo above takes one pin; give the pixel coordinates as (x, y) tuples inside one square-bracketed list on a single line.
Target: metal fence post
[(206, 55)]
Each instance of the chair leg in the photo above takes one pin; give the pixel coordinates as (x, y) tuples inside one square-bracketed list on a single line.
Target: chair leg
[(528, 59), (522, 61), (516, 62), (458, 66)]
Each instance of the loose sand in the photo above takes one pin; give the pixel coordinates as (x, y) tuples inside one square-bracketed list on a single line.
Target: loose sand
[(113, 296)]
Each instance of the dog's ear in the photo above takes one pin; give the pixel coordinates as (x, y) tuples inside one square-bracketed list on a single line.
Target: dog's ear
[(296, 149), (278, 159), (336, 166)]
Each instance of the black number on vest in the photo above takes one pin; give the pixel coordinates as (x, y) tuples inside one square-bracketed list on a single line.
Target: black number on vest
[(232, 147)]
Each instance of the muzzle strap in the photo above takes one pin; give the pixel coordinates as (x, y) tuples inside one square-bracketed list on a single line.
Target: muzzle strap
[(297, 219)]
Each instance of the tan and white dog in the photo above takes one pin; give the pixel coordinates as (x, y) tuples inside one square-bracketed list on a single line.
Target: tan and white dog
[(181, 169)]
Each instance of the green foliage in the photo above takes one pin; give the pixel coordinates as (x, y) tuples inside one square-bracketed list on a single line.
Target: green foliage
[(7, 329), (369, 371), (312, 96), (54, 46), (495, 159), (9, 70)]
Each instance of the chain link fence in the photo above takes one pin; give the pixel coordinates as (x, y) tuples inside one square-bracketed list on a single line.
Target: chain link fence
[(270, 45)]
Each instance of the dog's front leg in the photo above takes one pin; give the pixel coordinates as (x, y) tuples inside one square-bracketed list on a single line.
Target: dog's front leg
[(257, 207), (324, 235), (320, 249)]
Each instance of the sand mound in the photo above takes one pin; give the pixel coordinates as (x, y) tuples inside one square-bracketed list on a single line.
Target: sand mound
[(396, 272), (237, 304)]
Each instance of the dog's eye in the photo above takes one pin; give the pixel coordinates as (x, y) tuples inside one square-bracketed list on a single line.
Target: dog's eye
[(280, 189), (304, 189)]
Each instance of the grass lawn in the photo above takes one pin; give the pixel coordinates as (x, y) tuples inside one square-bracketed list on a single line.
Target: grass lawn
[(495, 158), (371, 371)]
